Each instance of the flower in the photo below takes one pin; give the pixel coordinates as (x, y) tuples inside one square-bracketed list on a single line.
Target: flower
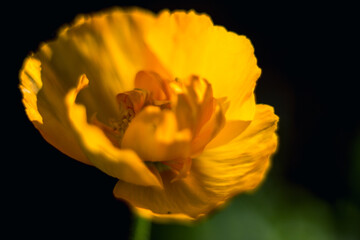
[(164, 103)]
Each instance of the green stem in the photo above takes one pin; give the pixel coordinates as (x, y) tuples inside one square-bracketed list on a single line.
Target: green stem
[(141, 229)]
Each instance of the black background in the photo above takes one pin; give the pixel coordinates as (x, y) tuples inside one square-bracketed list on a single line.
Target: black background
[(308, 55)]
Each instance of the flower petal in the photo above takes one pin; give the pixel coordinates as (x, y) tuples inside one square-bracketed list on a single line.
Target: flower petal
[(108, 47), (210, 130), (241, 164), (182, 200), (40, 100), (154, 135), (215, 175), (189, 43), (231, 130), (153, 83), (122, 164), (30, 85)]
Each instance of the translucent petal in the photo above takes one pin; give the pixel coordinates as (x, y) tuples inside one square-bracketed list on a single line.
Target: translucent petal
[(189, 43), (108, 48), (40, 100), (122, 164), (241, 164)]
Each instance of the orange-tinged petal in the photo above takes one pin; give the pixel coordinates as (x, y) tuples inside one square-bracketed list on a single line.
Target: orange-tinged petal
[(154, 84), (40, 100), (189, 43), (194, 102), (182, 168), (200, 95), (154, 135), (241, 164), (185, 112), (134, 100), (122, 164), (210, 129)]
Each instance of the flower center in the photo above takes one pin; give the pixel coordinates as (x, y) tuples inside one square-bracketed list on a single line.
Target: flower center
[(149, 91), (166, 122)]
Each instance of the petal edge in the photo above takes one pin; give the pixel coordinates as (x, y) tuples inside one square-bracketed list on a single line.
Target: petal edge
[(122, 164)]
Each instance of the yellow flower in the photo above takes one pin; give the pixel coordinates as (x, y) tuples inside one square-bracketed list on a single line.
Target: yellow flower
[(164, 103)]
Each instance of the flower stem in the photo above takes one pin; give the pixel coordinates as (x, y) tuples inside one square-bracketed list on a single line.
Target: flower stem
[(141, 229)]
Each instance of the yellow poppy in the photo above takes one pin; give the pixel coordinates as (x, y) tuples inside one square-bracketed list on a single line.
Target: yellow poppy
[(163, 102)]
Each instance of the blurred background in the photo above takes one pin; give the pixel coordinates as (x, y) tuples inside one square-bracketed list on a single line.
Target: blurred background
[(307, 52)]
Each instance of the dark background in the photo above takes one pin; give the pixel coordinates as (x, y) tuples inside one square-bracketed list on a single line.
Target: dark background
[(307, 52)]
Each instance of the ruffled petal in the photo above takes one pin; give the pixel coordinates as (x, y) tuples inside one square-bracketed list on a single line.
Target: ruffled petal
[(215, 175), (109, 48), (30, 85), (189, 43), (241, 164), (122, 164), (182, 200), (40, 100)]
